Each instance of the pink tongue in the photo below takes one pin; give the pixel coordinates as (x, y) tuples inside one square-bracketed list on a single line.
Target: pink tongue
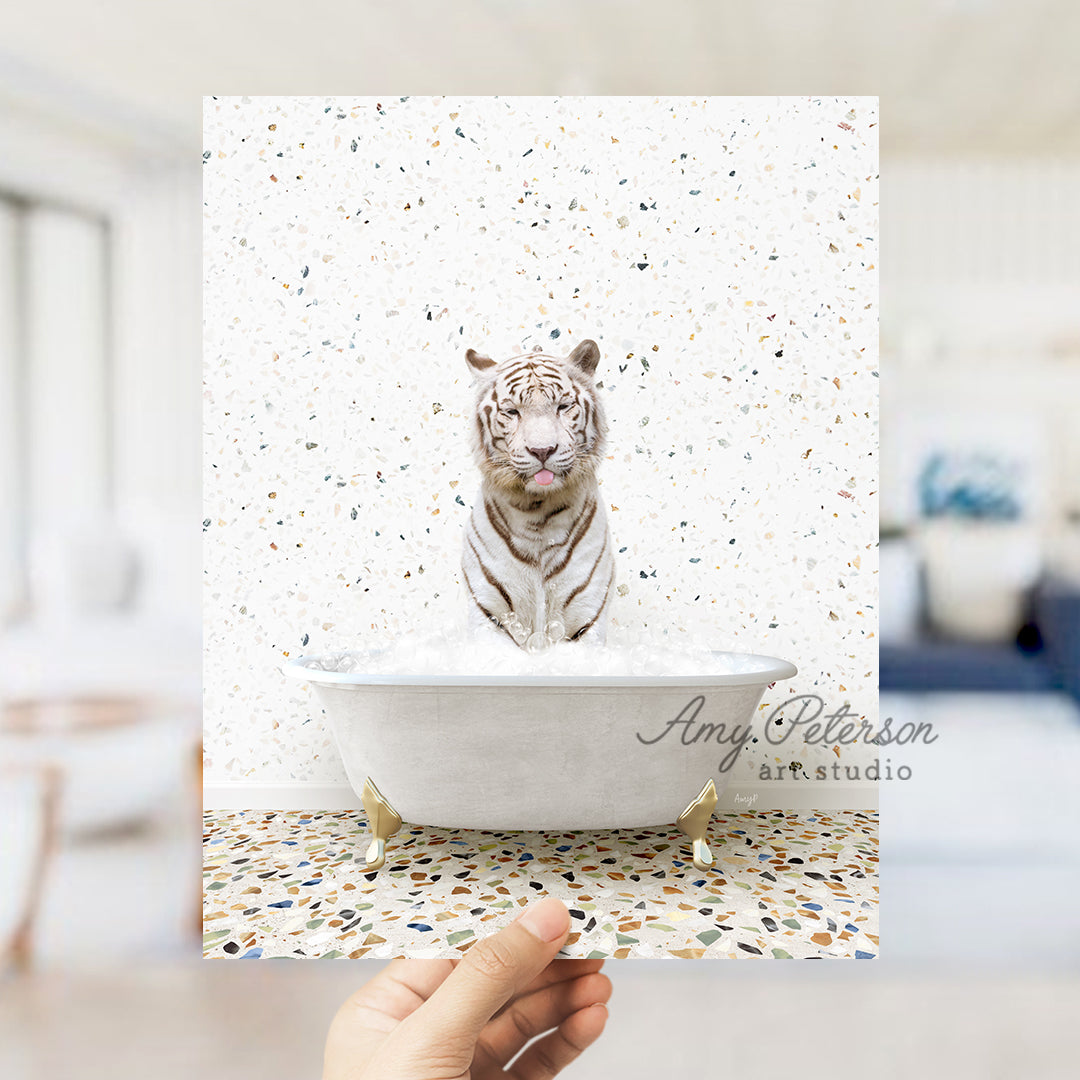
[(544, 477)]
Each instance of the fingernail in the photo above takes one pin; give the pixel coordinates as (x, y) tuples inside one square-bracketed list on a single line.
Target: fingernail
[(546, 920)]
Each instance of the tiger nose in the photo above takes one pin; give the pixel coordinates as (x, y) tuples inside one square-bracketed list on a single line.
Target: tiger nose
[(541, 453)]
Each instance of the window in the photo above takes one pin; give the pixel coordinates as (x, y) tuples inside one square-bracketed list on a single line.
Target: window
[(56, 400)]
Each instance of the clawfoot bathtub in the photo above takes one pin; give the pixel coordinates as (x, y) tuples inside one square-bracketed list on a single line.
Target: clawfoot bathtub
[(541, 752)]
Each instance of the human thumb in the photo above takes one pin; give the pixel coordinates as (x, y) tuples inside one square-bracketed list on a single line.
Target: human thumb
[(492, 972)]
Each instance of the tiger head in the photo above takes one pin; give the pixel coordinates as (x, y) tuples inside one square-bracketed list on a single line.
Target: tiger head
[(539, 422)]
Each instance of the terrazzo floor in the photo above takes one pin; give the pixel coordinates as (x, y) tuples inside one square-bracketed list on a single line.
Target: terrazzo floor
[(789, 885)]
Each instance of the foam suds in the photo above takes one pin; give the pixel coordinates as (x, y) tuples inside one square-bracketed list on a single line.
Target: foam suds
[(415, 654)]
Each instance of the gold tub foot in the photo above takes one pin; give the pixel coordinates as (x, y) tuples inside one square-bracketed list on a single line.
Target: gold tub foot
[(694, 821), (384, 821)]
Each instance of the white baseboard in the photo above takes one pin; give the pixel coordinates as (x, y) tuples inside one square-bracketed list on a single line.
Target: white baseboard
[(751, 795), (800, 795), (286, 795)]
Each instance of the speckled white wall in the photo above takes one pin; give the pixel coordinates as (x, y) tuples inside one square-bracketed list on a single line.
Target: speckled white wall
[(722, 252)]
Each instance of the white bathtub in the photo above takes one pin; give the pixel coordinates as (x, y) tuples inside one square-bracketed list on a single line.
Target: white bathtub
[(541, 752)]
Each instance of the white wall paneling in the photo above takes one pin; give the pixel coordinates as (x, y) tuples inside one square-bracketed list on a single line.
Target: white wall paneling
[(12, 485), (67, 403)]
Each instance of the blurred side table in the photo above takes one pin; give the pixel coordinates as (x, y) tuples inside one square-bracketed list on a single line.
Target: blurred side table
[(120, 757), (127, 766), (29, 800)]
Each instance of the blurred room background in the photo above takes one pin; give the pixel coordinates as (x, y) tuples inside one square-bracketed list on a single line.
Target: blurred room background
[(100, 222)]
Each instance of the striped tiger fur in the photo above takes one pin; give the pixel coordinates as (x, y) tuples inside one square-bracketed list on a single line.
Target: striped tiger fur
[(537, 543)]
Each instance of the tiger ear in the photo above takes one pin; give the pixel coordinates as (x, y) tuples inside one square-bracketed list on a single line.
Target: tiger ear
[(478, 363), (586, 356)]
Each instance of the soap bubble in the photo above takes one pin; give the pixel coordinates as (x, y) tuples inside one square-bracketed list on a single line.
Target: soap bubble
[(630, 650)]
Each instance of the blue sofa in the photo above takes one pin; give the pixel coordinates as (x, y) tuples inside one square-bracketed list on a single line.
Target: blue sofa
[(1044, 658)]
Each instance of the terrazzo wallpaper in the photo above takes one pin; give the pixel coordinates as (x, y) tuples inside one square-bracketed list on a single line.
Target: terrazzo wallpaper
[(721, 252)]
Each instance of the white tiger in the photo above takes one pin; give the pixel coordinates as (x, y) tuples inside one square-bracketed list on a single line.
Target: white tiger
[(537, 545)]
